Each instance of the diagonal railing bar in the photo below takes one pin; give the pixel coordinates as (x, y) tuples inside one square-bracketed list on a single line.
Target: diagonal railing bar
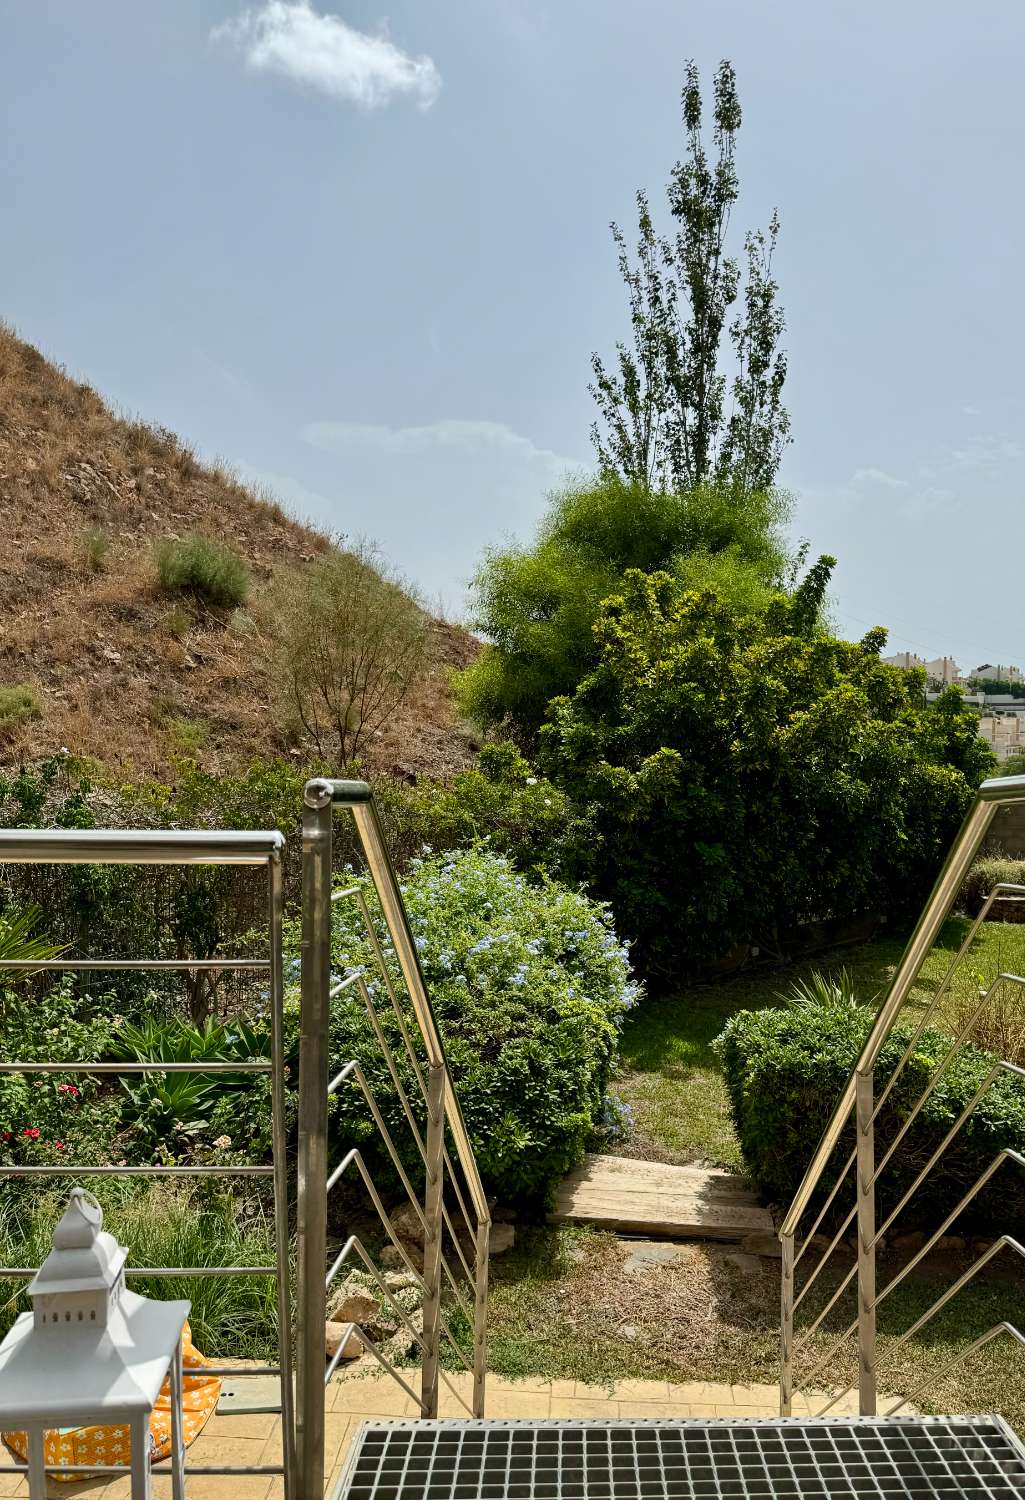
[(944, 1064), (813, 1277), (393, 998), (825, 1208), (425, 1093), (941, 990), (353, 1070), (959, 1359), (861, 1098), (389, 1058)]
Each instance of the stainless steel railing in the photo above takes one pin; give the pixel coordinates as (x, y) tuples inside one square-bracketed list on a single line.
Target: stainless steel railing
[(452, 1191), (161, 847), (861, 1103)]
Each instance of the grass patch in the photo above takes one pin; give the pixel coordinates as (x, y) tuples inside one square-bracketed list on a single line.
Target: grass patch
[(207, 570), (563, 1306), (18, 705), (164, 1224)]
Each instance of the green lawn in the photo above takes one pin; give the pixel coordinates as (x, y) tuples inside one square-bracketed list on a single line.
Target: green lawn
[(562, 1299)]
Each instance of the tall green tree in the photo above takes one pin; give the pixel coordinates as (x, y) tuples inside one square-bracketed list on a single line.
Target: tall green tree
[(670, 416)]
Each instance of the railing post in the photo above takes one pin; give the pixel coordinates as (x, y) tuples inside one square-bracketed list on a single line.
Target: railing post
[(276, 902), (864, 1104), (433, 1194), (312, 1206), (786, 1324), (480, 1314)]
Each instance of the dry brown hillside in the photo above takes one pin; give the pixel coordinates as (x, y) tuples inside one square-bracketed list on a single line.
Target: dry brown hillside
[(122, 672)]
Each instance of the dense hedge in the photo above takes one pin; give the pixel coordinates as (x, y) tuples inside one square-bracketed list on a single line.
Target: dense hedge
[(784, 1071), (980, 880), (529, 984)]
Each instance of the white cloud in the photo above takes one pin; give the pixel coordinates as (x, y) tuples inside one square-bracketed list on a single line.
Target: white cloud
[(325, 53), (877, 478), (453, 435)]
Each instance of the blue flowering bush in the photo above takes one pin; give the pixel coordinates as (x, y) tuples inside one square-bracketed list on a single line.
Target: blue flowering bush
[(529, 984)]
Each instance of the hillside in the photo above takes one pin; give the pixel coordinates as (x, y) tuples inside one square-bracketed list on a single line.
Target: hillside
[(121, 672)]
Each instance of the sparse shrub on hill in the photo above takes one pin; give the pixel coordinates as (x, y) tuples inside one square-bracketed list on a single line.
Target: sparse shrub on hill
[(17, 706), (349, 642), (95, 547), (209, 571)]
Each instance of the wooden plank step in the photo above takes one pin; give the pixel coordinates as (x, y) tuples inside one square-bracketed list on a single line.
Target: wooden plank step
[(651, 1198)]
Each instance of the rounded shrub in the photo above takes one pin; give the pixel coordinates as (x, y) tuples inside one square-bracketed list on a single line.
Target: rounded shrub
[(208, 570), (785, 1069), (529, 984)]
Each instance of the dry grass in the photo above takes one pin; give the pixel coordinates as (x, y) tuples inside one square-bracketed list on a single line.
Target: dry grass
[(86, 625)]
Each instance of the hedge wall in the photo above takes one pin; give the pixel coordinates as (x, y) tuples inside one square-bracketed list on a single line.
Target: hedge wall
[(784, 1071)]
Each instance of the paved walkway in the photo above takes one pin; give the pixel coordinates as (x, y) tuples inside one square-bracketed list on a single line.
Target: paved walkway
[(248, 1438)]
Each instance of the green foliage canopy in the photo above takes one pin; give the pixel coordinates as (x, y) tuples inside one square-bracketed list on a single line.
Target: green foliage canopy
[(538, 605), (738, 776)]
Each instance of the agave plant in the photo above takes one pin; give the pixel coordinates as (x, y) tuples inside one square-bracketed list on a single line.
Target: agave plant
[(821, 992), (19, 941)]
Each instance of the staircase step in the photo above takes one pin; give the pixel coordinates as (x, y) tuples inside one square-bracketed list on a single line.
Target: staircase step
[(652, 1198)]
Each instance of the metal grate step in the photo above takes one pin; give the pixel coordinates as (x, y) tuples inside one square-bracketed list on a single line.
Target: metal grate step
[(887, 1458)]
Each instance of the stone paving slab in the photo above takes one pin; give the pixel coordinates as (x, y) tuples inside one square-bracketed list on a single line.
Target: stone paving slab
[(255, 1438)]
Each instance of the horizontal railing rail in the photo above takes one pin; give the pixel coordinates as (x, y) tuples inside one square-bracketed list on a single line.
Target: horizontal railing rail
[(179, 847), (862, 1102), (450, 1205)]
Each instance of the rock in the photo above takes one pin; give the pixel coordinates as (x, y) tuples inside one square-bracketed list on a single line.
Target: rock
[(952, 1242), (627, 1331), (819, 1242), (647, 1253), (353, 1305), (501, 1239), (334, 1333), (762, 1244), (909, 1243), (391, 1257), (406, 1224), (396, 1280)]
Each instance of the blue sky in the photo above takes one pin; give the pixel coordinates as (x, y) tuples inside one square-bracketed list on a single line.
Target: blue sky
[(363, 255)]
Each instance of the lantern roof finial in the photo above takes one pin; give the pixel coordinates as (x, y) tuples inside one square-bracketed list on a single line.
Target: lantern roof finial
[(84, 1257)]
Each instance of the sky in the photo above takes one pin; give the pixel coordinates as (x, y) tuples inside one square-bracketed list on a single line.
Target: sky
[(363, 256)]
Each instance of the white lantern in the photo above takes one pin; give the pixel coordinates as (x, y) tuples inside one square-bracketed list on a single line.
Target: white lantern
[(91, 1352)]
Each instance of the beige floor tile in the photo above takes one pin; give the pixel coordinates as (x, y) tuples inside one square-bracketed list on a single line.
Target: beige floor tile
[(225, 1450), (372, 1398), (701, 1391), (638, 1390), (509, 1404), (650, 1410), (227, 1487), (528, 1383), (755, 1395), (563, 1387), (243, 1424), (574, 1406)]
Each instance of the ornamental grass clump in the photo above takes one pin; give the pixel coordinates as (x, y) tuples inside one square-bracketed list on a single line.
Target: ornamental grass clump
[(529, 983)]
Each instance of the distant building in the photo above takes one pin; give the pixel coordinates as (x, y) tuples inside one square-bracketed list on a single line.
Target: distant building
[(1004, 733), (905, 659), (944, 670), (998, 673)]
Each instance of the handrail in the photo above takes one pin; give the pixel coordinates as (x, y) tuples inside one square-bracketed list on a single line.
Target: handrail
[(129, 846), (859, 1098), (419, 1050)]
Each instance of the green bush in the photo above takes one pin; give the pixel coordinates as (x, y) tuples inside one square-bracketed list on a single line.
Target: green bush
[(784, 1071), (498, 800), (207, 570), (45, 1118), (982, 877), (538, 605), (529, 984), (18, 705), (740, 777)]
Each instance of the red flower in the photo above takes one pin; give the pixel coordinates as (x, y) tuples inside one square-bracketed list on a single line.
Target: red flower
[(31, 1132), (68, 1088), (8, 1135), (59, 1145)]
